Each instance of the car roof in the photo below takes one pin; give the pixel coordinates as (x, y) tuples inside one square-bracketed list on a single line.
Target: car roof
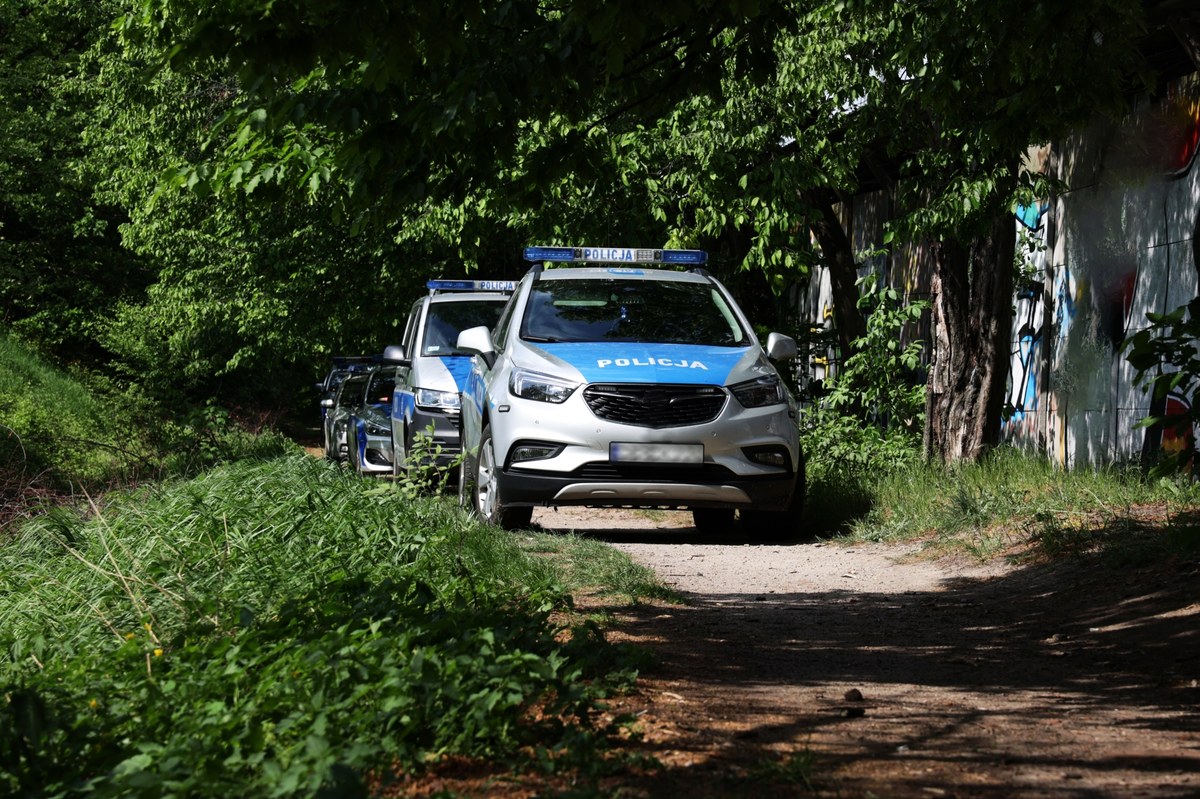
[(622, 273)]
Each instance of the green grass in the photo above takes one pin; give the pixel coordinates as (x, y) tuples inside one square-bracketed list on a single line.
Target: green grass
[(1012, 499), (588, 565), (282, 628), (52, 426), (64, 435)]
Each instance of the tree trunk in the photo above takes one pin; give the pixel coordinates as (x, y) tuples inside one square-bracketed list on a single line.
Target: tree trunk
[(972, 323), (843, 273)]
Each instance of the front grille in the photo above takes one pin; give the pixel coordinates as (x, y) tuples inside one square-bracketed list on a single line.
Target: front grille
[(654, 405)]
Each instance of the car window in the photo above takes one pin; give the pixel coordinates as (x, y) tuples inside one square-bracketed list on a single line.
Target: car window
[(380, 389), (410, 330), (500, 331), (351, 394), (630, 310), (445, 320)]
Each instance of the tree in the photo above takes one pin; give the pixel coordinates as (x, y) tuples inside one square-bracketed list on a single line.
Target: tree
[(61, 263), (248, 298), (423, 100), (968, 99), (742, 122)]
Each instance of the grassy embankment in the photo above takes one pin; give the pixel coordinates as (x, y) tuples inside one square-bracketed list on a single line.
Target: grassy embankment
[(1012, 503), (278, 628), (273, 626), (53, 430)]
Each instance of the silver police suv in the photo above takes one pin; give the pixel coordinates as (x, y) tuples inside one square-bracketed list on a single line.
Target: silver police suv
[(622, 384), (431, 372)]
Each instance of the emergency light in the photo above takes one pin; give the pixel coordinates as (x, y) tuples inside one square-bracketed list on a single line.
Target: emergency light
[(608, 255), (471, 285)]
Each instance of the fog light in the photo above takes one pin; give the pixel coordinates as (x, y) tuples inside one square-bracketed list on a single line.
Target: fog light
[(775, 457), (524, 451)]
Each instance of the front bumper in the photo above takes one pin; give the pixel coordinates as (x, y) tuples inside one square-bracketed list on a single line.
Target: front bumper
[(606, 485), (441, 431)]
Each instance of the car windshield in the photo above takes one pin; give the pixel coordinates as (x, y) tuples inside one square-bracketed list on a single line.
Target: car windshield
[(446, 320), (351, 394), (664, 312)]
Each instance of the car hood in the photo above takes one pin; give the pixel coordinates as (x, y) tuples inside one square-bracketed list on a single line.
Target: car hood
[(633, 362), (442, 372)]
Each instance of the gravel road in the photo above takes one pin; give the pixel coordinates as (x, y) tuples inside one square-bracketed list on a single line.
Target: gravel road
[(902, 675)]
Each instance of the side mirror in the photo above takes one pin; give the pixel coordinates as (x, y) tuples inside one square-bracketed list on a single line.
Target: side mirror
[(327, 403), (394, 355), (477, 341), (780, 347)]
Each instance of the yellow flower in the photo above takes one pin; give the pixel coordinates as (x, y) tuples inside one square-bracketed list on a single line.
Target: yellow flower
[(157, 653), (93, 704), (130, 636)]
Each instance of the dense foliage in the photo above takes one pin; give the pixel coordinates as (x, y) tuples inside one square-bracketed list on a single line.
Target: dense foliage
[(53, 428), (209, 199), (278, 628)]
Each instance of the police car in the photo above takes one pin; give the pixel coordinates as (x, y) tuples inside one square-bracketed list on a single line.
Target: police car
[(336, 413), (368, 428), (431, 370), (616, 382)]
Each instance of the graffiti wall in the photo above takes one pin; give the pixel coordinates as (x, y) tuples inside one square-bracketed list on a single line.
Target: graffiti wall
[(1120, 241)]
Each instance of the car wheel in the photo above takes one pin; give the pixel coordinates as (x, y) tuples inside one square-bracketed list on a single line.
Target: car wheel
[(712, 520), (400, 450), (352, 452), (782, 525), (341, 440), (466, 482), (488, 502)]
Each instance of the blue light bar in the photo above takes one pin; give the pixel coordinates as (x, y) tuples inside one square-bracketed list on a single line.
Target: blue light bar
[(471, 285), (609, 255)]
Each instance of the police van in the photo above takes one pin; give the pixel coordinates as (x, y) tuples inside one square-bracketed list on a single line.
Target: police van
[(430, 369), (618, 381)]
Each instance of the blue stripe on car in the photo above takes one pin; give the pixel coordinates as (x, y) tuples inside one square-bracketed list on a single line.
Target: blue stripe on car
[(630, 362)]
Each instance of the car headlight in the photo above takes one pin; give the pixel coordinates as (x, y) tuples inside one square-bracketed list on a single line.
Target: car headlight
[(437, 400), (760, 391), (540, 387), (374, 428)]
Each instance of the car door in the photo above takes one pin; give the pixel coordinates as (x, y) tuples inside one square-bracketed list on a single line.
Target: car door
[(475, 395), (403, 400)]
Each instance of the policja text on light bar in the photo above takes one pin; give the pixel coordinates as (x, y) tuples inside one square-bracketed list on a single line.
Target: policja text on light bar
[(629, 255), (471, 285)]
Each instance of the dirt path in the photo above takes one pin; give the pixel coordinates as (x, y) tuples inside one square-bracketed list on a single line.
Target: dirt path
[(899, 676)]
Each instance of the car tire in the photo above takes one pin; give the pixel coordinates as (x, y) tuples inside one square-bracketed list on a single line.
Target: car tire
[(712, 521), (340, 434), (352, 454), (330, 455), (781, 525), (485, 491)]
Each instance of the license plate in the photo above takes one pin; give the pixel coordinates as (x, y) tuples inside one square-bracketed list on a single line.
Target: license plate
[(656, 453)]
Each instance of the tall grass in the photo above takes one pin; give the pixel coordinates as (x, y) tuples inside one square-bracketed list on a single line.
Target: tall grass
[(52, 426), (1013, 499), (277, 628)]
